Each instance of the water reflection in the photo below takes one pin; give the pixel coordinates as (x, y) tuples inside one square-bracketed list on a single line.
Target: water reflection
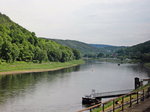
[(62, 90), (14, 85)]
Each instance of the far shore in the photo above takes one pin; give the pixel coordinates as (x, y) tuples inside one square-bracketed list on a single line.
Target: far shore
[(147, 65), (50, 67), (34, 71)]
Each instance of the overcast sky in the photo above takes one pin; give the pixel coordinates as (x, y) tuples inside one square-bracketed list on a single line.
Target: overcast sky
[(115, 22)]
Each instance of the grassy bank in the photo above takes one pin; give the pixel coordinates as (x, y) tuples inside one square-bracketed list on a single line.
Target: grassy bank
[(147, 65), (24, 67), (109, 104)]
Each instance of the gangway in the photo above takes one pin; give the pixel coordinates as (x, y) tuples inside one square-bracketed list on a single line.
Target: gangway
[(96, 97), (111, 93)]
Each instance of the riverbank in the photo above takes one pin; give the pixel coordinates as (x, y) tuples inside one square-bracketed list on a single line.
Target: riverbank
[(111, 60), (24, 67), (116, 60), (147, 65), (109, 104), (143, 107)]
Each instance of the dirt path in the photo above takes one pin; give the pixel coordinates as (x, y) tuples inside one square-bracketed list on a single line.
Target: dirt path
[(141, 107)]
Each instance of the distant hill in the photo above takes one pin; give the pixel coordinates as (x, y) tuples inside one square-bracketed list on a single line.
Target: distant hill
[(84, 48), (89, 49), (140, 52), (102, 45), (142, 47), (107, 49)]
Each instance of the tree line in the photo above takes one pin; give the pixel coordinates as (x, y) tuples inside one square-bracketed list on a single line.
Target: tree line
[(19, 44), (139, 52)]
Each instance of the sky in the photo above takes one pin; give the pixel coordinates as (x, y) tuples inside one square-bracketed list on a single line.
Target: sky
[(114, 22)]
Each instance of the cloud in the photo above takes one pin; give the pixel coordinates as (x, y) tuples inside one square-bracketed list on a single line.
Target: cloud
[(93, 21)]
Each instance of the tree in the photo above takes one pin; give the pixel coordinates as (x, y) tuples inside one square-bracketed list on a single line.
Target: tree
[(17, 43), (1, 42), (76, 53), (145, 57), (14, 52), (39, 55), (100, 55), (26, 54), (6, 51)]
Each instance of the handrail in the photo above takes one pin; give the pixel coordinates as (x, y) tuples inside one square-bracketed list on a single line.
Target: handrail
[(146, 79), (89, 108), (139, 94)]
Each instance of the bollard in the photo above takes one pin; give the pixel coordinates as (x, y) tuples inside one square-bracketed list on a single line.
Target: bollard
[(113, 106), (103, 107), (130, 100), (137, 82), (122, 102), (143, 94), (137, 97)]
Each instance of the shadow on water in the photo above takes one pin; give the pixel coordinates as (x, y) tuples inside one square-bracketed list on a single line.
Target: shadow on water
[(14, 85)]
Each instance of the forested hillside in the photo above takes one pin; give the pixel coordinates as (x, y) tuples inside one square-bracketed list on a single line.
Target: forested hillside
[(82, 47), (108, 50), (139, 52), (91, 50), (17, 43), (102, 45)]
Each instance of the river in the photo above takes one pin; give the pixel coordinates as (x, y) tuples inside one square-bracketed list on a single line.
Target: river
[(62, 90)]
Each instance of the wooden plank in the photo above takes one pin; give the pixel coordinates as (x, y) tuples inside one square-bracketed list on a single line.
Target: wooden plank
[(92, 107), (146, 79)]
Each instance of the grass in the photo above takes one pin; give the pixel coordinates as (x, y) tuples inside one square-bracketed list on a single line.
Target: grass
[(29, 66), (147, 65), (109, 104)]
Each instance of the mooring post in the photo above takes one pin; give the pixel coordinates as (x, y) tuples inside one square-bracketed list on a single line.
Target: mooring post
[(130, 100), (137, 82), (143, 94), (137, 97), (148, 91), (90, 110), (103, 108), (113, 105), (122, 102)]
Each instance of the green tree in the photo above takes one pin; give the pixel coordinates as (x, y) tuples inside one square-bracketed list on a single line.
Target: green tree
[(100, 55), (55, 55), (6, 51), (77, 54), (39, 55), (14, 52), (145, 57), (17, 43)]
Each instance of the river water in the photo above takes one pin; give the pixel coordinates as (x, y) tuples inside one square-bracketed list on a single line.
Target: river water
[(62, 90)]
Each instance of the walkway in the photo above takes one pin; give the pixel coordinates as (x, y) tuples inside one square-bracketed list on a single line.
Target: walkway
[(141, 107)]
